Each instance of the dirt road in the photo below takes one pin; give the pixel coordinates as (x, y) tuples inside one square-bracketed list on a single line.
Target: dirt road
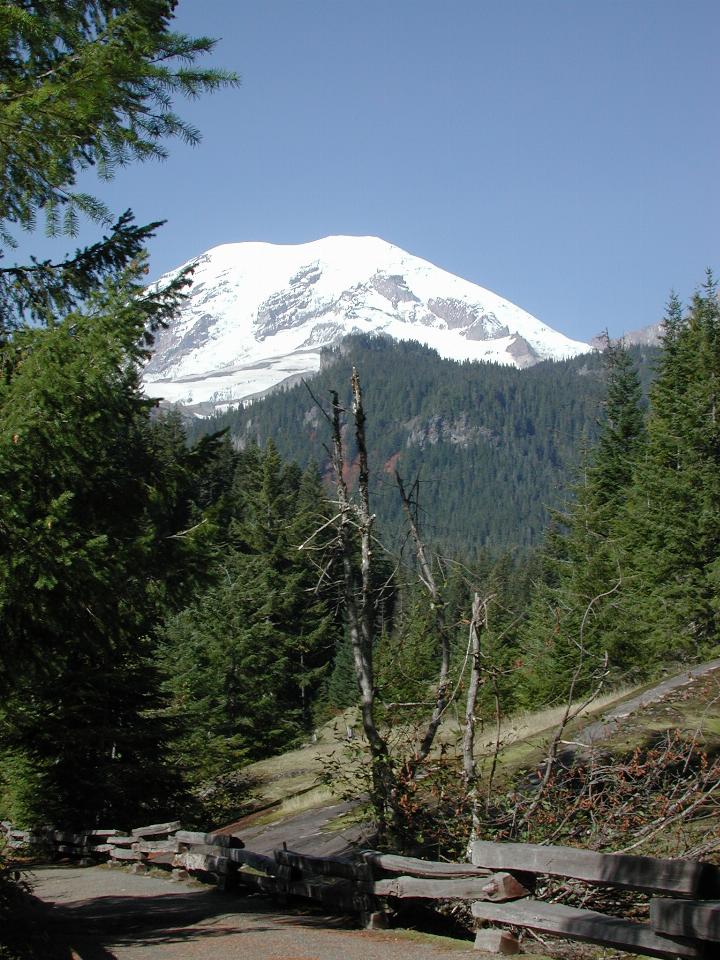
[(313, 831), (99, 913), (604, 728)]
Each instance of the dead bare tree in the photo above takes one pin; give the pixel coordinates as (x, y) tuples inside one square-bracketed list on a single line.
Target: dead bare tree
[(428, 580), (478, 617), (393, 774), (354, 519)]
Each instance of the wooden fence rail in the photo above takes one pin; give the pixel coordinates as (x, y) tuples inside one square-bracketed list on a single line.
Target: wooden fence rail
[(684, 919)]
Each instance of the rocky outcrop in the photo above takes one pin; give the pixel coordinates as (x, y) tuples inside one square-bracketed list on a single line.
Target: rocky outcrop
[(522, 353), (439, 429), (650, 336)]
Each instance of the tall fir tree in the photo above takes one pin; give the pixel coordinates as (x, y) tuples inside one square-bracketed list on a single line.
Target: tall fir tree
[(569, 628), (96, 547), (672, 521), (96, 513), (243, 663)]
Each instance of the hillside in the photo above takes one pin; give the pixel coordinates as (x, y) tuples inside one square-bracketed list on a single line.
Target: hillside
[(494, 447), (655, 766)]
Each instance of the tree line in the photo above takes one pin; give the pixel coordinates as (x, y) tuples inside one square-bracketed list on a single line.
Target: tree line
[(630, 568), (492, 446)]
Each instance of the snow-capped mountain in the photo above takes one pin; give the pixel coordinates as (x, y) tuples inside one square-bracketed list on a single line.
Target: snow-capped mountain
[(259, 314)]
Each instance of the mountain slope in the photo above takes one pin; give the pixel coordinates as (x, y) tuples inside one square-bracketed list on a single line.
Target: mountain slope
[(649, 336), (258, 315), (493, 446)]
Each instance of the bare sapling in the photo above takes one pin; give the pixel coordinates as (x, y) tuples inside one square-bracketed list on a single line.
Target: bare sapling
[(429, 582), (470, 775), (572, 709)]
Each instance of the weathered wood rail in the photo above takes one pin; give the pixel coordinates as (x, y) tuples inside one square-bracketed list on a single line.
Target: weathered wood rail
[(683, 923), (684, 919)]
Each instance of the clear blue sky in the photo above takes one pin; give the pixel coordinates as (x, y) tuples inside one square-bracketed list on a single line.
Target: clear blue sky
[(563, 153)]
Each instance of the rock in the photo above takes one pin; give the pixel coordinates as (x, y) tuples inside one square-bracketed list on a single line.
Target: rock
[(496, 941)]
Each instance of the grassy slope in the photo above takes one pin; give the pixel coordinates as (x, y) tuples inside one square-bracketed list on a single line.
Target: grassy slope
[(289, 783)]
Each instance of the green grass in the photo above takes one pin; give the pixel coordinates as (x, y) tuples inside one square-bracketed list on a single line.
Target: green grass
[(289, 783)]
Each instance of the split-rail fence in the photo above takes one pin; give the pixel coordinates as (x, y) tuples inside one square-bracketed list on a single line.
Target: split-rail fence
[(684, 916)]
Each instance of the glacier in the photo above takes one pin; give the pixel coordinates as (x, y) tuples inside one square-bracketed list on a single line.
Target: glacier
[(258, 315)]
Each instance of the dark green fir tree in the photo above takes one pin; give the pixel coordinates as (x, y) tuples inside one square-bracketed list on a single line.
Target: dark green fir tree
[(672, 522), (243, 664), (569, 631), (98, 534)]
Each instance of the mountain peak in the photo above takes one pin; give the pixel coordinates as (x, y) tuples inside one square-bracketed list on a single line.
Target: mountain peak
[(258, 314)]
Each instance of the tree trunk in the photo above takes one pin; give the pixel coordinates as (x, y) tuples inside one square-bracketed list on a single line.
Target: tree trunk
[(360, 612), (428, 580), (469, 764)]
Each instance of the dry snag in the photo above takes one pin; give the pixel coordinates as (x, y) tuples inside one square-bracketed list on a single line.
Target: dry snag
[(354, 524), (354, 519), (428, 580)]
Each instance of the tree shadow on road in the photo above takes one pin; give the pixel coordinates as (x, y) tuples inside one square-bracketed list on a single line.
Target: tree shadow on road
[(90, 929)]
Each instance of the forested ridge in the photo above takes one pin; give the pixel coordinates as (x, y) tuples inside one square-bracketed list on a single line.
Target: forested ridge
[(491, 446), (180, 600)]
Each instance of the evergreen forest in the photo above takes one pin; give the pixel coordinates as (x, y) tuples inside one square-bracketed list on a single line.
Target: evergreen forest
[(490, 447)]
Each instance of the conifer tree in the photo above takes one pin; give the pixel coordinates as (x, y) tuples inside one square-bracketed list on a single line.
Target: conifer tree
[(407, 657), (99, 536), (672, 523), (231, 676), (341, 690), (621, 436), (93, 552), (569, 628), (88, 84), (244, 662)]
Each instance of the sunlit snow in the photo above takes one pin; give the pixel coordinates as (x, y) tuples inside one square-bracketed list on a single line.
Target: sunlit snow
[(259, 313)]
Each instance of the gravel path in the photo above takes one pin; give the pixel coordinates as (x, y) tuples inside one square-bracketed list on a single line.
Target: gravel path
[(98, 913), (311, 831)]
